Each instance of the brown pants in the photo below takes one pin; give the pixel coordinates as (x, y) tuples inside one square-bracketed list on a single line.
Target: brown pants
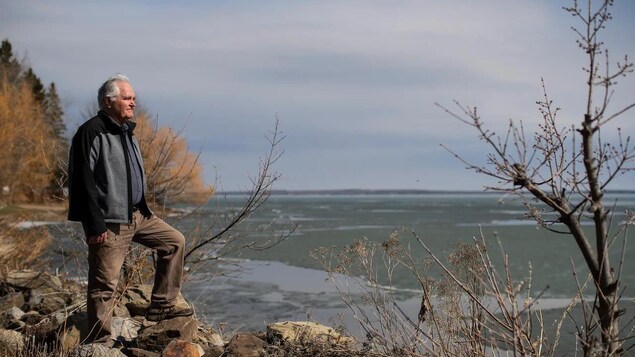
[(105, 261)]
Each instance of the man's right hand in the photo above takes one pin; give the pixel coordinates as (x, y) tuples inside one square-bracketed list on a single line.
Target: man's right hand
[(96, 240)]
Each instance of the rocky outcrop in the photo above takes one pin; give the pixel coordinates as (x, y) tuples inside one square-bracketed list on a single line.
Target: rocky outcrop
[(181, 348), (302, 332), (51, 314), (157, 337), (30, 279), (245, 345), (136, 300)]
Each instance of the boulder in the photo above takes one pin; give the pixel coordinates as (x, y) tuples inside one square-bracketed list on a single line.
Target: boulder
[(47, 300), (138, 352), (302, 332), (207, 336), (11, 318), (245, 345), (216, 340), (181, 348), (14, 298), (30, 279), (125, 328), (97, 350), (213, 351), (157, 337), (212, 343), (74, 330), (137, 299), (11, 343)]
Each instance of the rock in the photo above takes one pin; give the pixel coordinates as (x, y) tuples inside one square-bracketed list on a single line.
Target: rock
[(157, 337), (213, 351), (120, 311), (137, 299), (207, 336), (97, 350), (31, 315), (58, 318), (30, 279), (11, 318), (137, 352), (11, 343), (216, 340), (180, 348), (245, 345), (306, 332), (17, 326), (14, 298), (213, 344), (48, 300), (74, 330), (125, 328)]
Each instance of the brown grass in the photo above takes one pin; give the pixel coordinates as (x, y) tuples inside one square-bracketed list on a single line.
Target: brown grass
[(22, 248)]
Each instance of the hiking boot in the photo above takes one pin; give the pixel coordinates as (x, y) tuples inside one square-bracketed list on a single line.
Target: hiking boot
[(158, 313)]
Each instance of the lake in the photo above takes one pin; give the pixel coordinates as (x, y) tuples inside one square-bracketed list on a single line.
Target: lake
[(285, 282)]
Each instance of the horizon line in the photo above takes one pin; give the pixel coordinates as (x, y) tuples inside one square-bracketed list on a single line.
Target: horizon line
[(384, 191)]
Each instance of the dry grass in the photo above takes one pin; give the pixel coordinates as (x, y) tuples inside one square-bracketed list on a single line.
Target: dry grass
[(469, 308), (22, 248)]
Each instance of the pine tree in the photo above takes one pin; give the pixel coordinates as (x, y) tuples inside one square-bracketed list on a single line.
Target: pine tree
[(54, 116), (54, 112), (36, 85), (9, 65)]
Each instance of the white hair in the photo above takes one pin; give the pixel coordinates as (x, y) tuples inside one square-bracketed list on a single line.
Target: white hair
[(110, 88)]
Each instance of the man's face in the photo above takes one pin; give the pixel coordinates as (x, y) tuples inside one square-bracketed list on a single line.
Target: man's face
[(121, 107)]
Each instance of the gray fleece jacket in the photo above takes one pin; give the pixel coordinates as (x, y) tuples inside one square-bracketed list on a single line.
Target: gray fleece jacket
[(99, 175)]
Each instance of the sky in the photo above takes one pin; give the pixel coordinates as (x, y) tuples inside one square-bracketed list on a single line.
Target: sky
[(352, 83)]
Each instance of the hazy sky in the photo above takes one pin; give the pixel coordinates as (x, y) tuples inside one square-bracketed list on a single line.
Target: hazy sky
[(353, 83)]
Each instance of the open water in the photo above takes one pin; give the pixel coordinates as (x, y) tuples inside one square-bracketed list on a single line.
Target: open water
[(286, 283)]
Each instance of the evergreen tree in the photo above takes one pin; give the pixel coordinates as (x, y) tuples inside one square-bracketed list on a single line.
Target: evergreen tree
[(54, 116), (53, 111), (9, 65), (36, 85)]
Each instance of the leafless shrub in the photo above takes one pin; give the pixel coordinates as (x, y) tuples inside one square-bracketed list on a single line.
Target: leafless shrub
[(388, 330), (568, 170), (470, 309), (225, 233)]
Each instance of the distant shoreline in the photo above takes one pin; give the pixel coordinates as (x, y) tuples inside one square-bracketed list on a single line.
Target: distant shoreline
[(386, 192)]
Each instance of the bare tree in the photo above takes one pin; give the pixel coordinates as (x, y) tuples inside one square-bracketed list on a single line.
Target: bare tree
[(212, 236), (222, 235), (568, 170)]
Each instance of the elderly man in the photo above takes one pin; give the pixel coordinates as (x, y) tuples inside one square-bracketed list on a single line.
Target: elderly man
[(106, 194)]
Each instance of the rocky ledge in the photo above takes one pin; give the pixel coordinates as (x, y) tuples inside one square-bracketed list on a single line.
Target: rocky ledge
[(42, 315)]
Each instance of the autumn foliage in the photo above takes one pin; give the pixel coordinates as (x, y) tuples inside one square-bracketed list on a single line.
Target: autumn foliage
[(29, 142), (35, 146), (173, 172)]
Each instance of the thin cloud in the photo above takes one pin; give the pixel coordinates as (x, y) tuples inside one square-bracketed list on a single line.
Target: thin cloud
[(354, 83)]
